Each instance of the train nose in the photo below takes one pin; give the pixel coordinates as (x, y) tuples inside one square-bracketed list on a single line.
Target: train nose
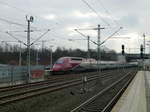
[(57, 67)]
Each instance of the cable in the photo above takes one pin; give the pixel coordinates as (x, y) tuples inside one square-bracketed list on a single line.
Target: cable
[(95, 12), (85, 36), (24, 11), (18, 9), (40, 37), (110, 36), (11, 22), (16, 38), (15, 23), (106, 10)]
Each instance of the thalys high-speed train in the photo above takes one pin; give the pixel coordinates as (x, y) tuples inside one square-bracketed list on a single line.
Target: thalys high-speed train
[(66, 64), (77, 64)]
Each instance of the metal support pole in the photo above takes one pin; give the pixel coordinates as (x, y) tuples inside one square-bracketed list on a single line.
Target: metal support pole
[(144, 51), (98, 41), (144, 43), (12, 75), (51, 57), (37, 57), (28, 50), (98, 51), (43, 45), (149, 51), (20, 55), (88, 40), (28, 47)]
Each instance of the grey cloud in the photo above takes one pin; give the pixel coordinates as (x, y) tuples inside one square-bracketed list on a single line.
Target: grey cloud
[(133, 15)]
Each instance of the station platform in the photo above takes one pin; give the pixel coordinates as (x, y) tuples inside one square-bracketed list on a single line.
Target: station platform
[(136, 98)]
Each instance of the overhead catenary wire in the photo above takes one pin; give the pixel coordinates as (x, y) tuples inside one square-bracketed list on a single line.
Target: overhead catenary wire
[(102, 41), (40, 37), (22, 25), (21, 11), (16, 38), (98, 15), (25, 43), (37, 30), (85, 36), (15, 23), (14, 7), (54, 34), (12, 22), (57, 22), (111, 35), (107, 11)]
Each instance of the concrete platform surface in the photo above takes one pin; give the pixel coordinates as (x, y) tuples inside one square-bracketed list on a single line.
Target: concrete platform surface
[(147, 85), (134, 98)]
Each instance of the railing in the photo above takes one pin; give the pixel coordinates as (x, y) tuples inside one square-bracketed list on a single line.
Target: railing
[(13, 74)]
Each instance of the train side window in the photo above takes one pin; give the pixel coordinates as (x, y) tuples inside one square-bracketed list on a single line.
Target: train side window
[(76, 59)]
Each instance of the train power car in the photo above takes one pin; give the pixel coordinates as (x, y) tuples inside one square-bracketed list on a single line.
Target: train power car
[(66, 64)]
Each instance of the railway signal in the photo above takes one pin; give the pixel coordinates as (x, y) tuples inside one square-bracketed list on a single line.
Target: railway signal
[(141, 51), (123, 50), (51, 56)]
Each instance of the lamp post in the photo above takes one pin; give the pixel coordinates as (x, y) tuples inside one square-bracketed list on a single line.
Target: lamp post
[(51, 56), (88, 44), (37, 56), (20, 51), (144, 50), (20, 55)]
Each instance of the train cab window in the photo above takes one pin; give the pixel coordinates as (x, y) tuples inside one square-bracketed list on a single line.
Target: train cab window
[(59, 62)]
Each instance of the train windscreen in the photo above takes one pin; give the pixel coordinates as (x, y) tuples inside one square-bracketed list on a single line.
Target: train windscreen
[(59, 62)]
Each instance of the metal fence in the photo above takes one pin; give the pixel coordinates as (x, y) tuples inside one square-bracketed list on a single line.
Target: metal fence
[(13, 74)]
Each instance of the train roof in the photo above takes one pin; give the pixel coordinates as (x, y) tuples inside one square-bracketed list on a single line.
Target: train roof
[(71, 57)]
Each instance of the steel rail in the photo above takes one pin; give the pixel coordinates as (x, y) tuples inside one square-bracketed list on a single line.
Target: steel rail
[(27, 94), (2, 89), (50, 88), (55, 80), (40, 88), (110, 105), (100, 93)]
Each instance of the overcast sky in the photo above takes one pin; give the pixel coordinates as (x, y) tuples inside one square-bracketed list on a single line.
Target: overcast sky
[(63, 16)]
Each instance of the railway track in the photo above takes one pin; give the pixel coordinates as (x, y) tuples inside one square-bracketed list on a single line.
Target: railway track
[(42, 90), (45, 88), (104, 100), (53, 79)]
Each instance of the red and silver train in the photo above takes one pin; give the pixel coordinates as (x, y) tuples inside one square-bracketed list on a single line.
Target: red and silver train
[(78, 64), (65, 64)]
